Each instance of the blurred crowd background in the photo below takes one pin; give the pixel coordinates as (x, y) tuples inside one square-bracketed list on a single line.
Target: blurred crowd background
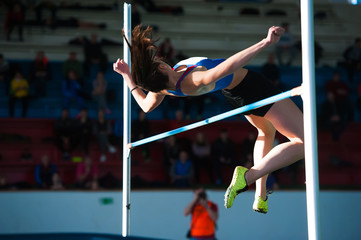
[(61, 104)]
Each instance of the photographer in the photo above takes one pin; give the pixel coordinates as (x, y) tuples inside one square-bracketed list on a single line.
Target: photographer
[(204, 216)]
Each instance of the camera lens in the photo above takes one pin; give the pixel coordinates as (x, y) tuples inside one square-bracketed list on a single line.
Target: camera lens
[(202, 195)]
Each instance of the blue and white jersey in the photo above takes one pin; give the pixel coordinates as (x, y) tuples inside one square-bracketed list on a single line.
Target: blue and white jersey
[(193, 62)]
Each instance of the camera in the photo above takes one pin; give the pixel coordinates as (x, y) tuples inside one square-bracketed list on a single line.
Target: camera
[(202, 195)]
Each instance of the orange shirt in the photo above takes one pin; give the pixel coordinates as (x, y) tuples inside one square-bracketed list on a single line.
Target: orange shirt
[(202, 224), (20, 88)]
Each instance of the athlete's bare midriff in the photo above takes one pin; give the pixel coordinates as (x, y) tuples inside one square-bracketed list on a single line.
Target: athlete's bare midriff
[(191, 88)]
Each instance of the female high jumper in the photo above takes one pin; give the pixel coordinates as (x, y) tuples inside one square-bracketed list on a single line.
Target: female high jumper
[(152, 79)]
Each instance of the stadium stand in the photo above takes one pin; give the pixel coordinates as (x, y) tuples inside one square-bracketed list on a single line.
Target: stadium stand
[(206, 28)]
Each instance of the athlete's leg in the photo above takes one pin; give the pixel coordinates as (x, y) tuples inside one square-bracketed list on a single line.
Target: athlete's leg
[(288, 120), (264, 144)]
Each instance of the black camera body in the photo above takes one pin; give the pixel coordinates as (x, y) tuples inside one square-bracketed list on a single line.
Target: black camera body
[(202, 195)]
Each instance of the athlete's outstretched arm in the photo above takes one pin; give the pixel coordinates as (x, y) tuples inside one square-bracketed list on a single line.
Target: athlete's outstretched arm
[(240, 59), (147, 102)]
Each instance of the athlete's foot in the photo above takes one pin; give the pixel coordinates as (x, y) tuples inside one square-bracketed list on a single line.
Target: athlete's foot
[(238, 185), (260, 205)]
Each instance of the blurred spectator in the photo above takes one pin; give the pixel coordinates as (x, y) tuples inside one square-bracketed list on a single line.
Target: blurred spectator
[(99, 92), (40, 73), (94, 185), (180, 56), (271, 184), (41, 5), (166, 51), (141, 129), (271, 71), (44, 173), (102, 130), (56, 182), (286, 45), (198, 101), (108, 181), (137, 18), (341, 94), (169, 106), (118, 131), (204, 216), (4, 73), (64, 131), (178, 122), (181, 171), (19, 90), (14, 18), (223, 152), (148, 5), (4, 183), (201, 150), (352, 56), (332, 117), (86, 172), (72, 90), (318, 50), (171, 151), (79, 40), (73, 64), (83, 126), (93, 54)]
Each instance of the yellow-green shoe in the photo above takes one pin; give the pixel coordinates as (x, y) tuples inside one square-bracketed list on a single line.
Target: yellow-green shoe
[(260, 205), (237, 186)]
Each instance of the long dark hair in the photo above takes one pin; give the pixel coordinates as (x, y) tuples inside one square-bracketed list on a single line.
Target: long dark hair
[(145, 63)]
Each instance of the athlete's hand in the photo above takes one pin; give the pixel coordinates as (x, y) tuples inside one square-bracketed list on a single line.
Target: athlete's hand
[(121, 67), (274, 34), (197, 192)]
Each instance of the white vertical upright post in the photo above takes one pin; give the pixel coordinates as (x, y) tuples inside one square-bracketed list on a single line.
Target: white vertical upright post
[(309, 107), (126, 126)]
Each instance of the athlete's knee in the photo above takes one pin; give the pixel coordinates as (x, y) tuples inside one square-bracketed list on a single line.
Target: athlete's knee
[(301, 147), (298, 140)]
